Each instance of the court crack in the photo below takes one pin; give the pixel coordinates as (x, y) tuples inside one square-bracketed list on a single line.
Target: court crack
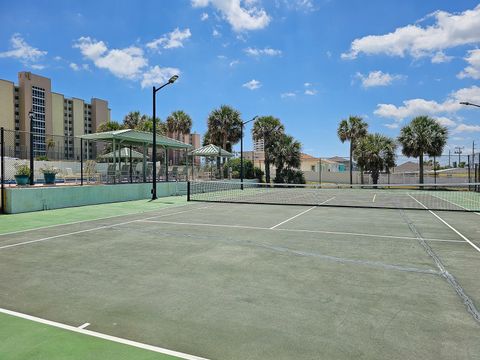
[(467, 301)]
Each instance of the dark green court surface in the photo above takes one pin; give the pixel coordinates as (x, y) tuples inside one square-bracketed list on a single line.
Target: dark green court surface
[(241, 281)]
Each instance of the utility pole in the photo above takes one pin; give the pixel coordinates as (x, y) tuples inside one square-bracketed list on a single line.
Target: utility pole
[(459, 151)]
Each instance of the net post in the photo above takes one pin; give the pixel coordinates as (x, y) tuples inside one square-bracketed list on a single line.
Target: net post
[(188, 190)]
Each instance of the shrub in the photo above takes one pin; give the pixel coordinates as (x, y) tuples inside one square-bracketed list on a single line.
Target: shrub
[(22, 169), (290, 176)]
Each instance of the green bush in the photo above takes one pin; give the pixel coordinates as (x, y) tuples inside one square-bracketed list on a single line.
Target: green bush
[(248, 171), (290, 176), (258, 174), (22, 169)]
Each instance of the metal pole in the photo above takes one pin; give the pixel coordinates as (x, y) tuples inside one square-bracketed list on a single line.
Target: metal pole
[(319, 170), (241, 156), (154, 145), (2, 164), (166, 164), (434, 170), (32, 164), (114, 163), (449, 158), (81, 162), (131, 169)]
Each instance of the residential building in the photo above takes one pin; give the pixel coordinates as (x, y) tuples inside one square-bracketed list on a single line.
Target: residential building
[(311, 163), (258, 145), (176, 157), (56, 119), (345, 162)]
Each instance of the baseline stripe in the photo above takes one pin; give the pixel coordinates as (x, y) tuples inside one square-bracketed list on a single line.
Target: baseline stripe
[(101, 335)]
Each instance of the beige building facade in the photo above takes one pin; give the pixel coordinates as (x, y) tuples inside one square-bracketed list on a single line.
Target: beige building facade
[(57, 120)]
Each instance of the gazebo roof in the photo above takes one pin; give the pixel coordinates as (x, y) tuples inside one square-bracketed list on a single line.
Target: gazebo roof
[(211, 150), (135, 137)]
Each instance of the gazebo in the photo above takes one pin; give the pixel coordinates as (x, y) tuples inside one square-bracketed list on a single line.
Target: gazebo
[(210, 151), (129, 138)]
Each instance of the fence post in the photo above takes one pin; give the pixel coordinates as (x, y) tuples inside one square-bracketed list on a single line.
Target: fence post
[(81, 162), (2, 172), (32, 157)]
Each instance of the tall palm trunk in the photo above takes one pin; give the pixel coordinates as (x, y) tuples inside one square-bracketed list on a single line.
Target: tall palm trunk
[(421, 168), (351, 163), (267, 169)]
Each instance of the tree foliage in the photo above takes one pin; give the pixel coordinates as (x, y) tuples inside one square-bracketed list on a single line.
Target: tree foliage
[(423, 136), (269, 129), (223, 127), (375, 153), (352, 130), (287, 155)]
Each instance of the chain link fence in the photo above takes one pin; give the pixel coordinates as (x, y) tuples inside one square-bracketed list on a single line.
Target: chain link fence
[(444, 169)]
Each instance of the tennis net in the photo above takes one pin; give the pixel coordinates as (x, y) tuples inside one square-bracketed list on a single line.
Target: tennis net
[(452, 197)]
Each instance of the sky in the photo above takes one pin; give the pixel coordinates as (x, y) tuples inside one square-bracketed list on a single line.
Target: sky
[(311, 63)]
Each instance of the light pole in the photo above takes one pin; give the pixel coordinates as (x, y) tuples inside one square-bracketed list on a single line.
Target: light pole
[(31, 116), (154, 155), (241, 148), (469, 104)]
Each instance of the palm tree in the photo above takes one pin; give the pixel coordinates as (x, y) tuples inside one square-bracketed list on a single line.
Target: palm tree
[(132, 120), (375, 153), (109, 126), (269, 129), (352, 130), (287, 154), (224, 125), (179, 122), (423, 135)]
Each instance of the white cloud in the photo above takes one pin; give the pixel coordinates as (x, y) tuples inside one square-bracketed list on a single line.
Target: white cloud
[(288, 95), (262, 52), (307, 84), (57, 58), (216, 33), (124, 63), (299, 5), (22, 51), (240, 15), (444, 121), (440, 57), (37, 66), (221, 57), (310, 92), (252, 84), (473, 70), (204, 16), (170, 40), (449, 30), (466, 128), (416, 107), (377, 78), (76, 67), (233, 63), (392, 125), (157, 75)]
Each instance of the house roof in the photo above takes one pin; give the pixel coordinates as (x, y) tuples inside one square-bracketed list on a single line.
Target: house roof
[(337, 159), (410, 166), (130, 136)]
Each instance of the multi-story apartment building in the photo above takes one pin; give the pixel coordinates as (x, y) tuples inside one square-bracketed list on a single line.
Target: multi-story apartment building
[(258, 145), (176, 156), (56, 119)]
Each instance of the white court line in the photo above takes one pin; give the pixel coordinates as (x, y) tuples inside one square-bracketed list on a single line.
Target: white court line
[(297, 230), (97, 228), (449, 226), (303, 212), (374, 196), (293, 217), (84, 326), (101, 336), (90, 220), (464, 208)]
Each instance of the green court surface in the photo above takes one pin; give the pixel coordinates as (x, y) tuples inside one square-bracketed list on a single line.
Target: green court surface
[(244, 281)]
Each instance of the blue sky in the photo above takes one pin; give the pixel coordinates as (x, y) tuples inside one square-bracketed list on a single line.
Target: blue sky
[(308, 62)]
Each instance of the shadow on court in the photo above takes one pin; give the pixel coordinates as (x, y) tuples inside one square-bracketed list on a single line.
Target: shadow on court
[(234, 281)]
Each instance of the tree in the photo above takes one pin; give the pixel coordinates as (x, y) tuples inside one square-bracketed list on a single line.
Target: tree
[(287, 154), (179, 122), (269, 129), (109, 126), (375, 153), (224, 126), (423, 135), (132, 120), (352, 130)]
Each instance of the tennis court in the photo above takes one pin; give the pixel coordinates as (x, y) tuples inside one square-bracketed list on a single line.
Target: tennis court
[(222, 280)]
